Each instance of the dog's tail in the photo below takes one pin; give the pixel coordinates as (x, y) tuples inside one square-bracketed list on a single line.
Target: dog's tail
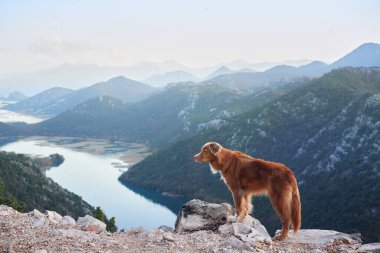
[(296, 208)]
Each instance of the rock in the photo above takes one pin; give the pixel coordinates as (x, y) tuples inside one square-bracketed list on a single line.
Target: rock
[(56, 232), (200, 215), (6, 210), (40, 251), (54, 217), (166, 228), (240, 228), (71, 233), (66, 222), (156, 235), (89, 223), (252, 234), (37, 214), (371, 247), (235, 243), (319, 237), (225, 229), (168, 237), (39, 222)]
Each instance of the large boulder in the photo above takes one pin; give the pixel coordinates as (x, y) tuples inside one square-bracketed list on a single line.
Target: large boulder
[(89, 223), (199, 215), (53, 216), (66, 222)]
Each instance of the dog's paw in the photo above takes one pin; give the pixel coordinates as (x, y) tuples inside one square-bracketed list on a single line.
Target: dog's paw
[(231, 219)]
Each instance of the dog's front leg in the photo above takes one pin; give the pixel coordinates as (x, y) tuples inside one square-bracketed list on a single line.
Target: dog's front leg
[(238, 201)]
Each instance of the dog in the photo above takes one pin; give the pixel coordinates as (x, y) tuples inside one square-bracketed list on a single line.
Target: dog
[(246, 176)]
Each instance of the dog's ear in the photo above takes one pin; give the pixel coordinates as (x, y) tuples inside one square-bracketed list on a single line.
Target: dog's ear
[(214, 147)]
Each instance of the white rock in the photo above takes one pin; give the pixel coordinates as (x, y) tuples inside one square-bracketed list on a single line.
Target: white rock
[(89, 223), (235, 243), (40, 251), (168, 236), (66, 222), (6, 210), (318, 237), (240, 228), (39, 222), (37, 214), (54, 217), (166, 228), (225, 229), (318, 251), (254, 234), (371, 247)]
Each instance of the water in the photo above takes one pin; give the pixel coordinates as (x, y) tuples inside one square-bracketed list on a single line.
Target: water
[(91, 170), (9, 116)]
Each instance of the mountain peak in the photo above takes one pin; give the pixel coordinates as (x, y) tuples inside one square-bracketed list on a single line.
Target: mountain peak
[(366, 55), (223, 70)]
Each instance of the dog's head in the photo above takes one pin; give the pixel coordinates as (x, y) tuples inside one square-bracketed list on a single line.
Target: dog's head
[(209, 152)]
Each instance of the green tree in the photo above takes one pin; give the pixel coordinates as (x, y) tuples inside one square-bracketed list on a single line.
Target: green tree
[(111, 225), (9, 200), (99, 214)]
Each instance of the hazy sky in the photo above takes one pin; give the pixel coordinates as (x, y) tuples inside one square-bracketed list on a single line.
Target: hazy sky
[(40, 34)]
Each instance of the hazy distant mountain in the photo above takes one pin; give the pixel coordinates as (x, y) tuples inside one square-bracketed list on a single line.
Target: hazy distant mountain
[(366, 55), (253, 81), (120, 87), (170, 77), (220, 71), (40, 103), (14, 96), (76, 76), (263, 66)]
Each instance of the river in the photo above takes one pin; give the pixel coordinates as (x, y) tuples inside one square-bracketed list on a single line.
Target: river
[(91, 170)]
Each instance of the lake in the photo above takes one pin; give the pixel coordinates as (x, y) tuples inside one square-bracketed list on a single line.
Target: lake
[(9, 116), (91, 170)]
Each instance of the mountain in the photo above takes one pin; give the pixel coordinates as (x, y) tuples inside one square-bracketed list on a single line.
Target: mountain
[(250, 82), (93, 118), (325, 131), (178, 111), (366, 55), (58, 100), (161, 80), (220, 71), (40, 103), (27, 183), (14, 96)]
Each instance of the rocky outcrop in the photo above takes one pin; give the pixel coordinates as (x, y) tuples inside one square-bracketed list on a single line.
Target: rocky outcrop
[(89, 223), (200, 227), (199, 215)]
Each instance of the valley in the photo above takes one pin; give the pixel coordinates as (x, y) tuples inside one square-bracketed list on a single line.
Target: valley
[(321, 120)]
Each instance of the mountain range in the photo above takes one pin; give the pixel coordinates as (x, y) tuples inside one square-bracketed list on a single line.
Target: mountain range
[(58, 100), (177, 111), (14, 96), (321, 120), (325, 130)]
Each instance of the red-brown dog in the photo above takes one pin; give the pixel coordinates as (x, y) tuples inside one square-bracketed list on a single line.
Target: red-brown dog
[(246, 176)]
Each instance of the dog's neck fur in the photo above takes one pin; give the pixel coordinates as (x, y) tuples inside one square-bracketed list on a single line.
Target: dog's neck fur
[(219, 164)]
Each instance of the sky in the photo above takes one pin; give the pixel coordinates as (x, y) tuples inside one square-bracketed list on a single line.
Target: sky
[(37, 34)]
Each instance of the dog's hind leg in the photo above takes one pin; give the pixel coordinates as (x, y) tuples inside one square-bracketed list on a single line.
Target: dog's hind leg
[(280, 200)]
